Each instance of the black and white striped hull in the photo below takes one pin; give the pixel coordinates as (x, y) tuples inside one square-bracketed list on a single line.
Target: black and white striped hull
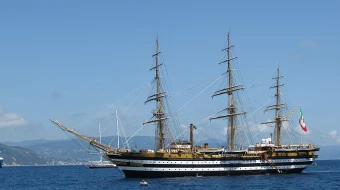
[(167, 168)]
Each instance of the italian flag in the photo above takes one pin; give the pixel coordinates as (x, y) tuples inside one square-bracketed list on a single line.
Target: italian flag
[(302, 122)]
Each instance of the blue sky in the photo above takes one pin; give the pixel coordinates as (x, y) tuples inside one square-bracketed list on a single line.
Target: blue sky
[(71, 60)]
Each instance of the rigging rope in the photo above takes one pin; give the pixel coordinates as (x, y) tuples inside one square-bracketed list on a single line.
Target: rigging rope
[(261, 106), (178, 136), (199, 93), (77, 140), (143, 86), (124, 110), (127, 141), (208, 136)]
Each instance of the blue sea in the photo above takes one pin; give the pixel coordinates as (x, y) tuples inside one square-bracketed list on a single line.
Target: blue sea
[(325, 174)]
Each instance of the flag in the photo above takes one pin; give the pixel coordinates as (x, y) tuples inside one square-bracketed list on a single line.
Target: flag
[(302, 122)]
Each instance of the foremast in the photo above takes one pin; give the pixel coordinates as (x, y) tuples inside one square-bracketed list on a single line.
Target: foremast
[(232, 108), (159, 113)]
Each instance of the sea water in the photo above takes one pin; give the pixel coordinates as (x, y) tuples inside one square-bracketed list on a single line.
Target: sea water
[(325, 174)]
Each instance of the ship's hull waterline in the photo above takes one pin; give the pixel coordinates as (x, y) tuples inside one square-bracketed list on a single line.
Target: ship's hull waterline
[(180, 168), (161, 174)]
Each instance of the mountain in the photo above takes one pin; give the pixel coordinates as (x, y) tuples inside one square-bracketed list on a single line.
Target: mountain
[(75, 150), (16, 155), (66, 151), (27, 143)]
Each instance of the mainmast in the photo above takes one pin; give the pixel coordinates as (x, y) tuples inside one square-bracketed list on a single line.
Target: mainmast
[(158, 113), (230, 91), (277, 107)]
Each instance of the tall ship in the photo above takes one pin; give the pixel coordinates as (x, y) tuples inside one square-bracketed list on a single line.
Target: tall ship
[(174, 157)]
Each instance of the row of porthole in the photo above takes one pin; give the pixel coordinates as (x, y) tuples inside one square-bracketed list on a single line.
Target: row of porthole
[(278, 161), (203, 162), (217, 162), (186, 169), (208, 169), (192, 162), (212, 162), (182, 162)]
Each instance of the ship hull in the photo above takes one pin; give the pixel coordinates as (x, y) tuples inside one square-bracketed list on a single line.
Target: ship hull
[(1, 160), (156, 168), (152, 174)]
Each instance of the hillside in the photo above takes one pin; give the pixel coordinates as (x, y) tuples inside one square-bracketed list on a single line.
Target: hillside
[(16, 155), (76, 150), (67, 151)]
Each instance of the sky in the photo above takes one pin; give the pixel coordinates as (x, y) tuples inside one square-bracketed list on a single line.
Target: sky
[(80, 61)]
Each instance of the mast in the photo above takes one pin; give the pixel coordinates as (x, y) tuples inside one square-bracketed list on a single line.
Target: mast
[(158, 113), (100, 141), (117, 129), (277, 107), (230, 91)]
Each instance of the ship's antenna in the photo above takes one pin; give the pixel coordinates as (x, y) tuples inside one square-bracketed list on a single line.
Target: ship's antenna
[(231, 115)]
